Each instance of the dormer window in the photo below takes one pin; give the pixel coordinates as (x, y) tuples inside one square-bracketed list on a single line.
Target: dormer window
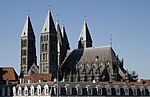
[(46, 89), (134, 90), (25, 90), (24, 33), (79, 90), (99, 90), (45, 29), (68, 90), (39, 90), (89, 90), (19, 91), (142, 92), (117, 89), (108, 89), (56, 91), (32, 90), (126, 90)]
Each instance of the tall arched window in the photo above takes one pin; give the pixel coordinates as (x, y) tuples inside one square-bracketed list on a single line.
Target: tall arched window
[(3, 91), (8, 91), (46, 89)]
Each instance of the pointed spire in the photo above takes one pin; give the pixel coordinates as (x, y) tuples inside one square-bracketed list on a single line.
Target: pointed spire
[(49, 24), (59, 34), (85, 38), (64, 37), (27, 30)]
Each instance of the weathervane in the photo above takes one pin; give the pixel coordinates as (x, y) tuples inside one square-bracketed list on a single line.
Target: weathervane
[(57, 16), (111, 40), (85, 18), (28, 11), (49, 7)]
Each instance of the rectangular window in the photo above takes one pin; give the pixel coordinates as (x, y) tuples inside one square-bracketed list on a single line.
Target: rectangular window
[(68, 90), (23, 52), (55, 91), (99, 91), (23, 60), (79, 91), (109, 91), (117, 91), (142, 92), (126, 91), (89, 91), (134, 91)]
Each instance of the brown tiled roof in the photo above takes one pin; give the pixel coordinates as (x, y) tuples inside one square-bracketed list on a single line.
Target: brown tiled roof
[(8, 73), (37, 77), (117, 82)]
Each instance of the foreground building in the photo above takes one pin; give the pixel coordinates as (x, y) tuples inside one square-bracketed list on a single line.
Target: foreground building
[(75, 89)]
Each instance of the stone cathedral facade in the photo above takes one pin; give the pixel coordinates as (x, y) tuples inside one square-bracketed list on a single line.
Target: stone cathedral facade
[(85, 64)]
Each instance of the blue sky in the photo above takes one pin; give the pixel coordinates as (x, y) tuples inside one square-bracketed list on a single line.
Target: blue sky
[(128, 21)]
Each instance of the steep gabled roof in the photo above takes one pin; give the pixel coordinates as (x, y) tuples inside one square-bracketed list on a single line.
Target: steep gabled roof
[(33, 69), (85, 34), (27, 30), (89, 55), (9, 74), (49, 24)]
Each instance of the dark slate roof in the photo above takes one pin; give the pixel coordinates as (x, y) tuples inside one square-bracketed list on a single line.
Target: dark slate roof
[(85, 34), (64, 36), (89, 55), (27, 30), (49, 24)]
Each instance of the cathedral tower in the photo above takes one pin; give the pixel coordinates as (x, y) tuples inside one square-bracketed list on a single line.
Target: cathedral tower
[(85, 39), (48, 47), (28, 49)]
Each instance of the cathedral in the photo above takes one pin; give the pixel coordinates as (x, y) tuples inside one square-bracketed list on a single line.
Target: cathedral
[(58, 60)]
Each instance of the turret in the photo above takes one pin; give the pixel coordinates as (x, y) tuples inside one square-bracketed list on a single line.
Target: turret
[(85, 39)]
